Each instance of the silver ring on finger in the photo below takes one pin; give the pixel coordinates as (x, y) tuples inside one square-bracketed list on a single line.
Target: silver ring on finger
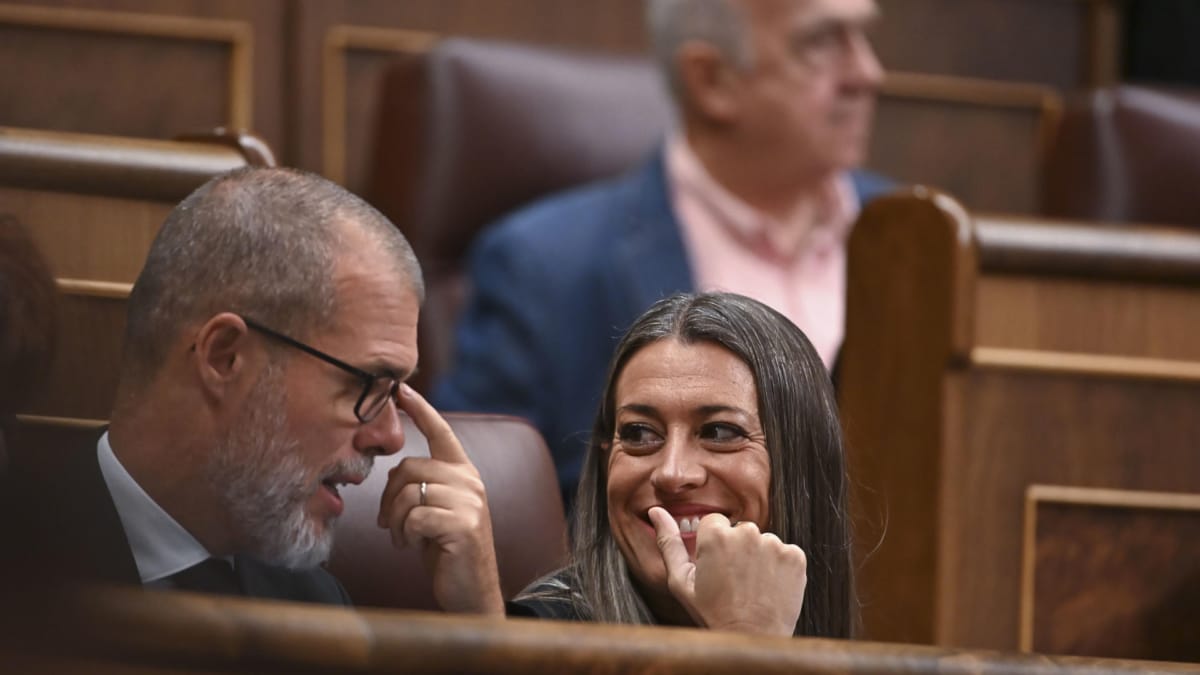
[(424, 493)]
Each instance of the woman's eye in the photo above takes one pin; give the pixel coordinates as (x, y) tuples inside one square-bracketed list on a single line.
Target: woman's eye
[(637, 435), (721, 432)]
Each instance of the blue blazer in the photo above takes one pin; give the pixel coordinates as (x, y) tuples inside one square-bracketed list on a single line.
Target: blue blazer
[(554, 286)]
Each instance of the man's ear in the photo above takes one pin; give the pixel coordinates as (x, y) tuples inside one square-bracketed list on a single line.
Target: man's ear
[(710, 83), (220, 352)]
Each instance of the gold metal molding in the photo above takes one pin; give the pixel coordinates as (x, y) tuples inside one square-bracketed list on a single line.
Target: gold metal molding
[(1092, 365), (95, 289), (61, 422)]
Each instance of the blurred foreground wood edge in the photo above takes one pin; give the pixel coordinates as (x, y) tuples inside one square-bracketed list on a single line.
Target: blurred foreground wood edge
[(131, 631)]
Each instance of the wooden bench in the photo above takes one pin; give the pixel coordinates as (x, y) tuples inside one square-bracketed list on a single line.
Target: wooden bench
[(165, 632), (987, 354)]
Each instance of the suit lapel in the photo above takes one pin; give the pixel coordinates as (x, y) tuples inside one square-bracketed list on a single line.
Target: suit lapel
[(650, 259), (106, 537), (73, 526)]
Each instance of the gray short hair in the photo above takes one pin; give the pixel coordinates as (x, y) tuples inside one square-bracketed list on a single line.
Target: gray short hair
[(671, 23), (258, 241)]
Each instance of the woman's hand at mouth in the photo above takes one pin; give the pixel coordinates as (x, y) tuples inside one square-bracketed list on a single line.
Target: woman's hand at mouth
[(742, 579)]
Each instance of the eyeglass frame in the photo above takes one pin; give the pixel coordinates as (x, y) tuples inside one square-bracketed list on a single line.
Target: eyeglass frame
[(368, 379)]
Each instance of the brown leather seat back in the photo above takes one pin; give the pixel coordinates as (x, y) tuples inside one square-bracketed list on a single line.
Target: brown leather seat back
[(523, 496), (1127, 154), (473, 129)]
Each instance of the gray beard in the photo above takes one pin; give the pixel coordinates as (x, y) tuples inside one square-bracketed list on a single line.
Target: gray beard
[(264, 487)]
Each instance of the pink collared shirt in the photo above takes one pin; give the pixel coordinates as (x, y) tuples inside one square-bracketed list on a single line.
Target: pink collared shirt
[(796, 265)]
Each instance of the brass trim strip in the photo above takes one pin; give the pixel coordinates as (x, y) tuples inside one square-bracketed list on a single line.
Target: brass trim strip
[(1138, 499), (1028, 568), (91, 288), (1095, 365), (66, 422)]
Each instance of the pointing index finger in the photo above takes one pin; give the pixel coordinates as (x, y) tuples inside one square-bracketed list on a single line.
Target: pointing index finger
[(670, 543), (443, 444)]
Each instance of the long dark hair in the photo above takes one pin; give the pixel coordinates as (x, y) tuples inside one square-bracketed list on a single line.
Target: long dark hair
[(804, 442)]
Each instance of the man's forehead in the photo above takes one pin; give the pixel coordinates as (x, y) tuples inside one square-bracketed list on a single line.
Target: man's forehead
[(376, 318)]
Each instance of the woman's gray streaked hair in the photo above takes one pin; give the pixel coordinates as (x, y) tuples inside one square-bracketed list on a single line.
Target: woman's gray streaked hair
[(807, 494), (671, 23), (258, 241)]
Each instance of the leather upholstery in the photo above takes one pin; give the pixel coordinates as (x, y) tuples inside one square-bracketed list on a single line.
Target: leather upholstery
[(473, 129), (523, 496), (1127, 154)]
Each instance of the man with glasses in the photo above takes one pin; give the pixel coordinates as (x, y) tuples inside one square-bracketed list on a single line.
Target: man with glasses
[(268, 339), (754, 192)]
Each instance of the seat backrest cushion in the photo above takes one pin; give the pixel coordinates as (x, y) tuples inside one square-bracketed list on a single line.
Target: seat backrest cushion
[(1127, 154), (523, 498)]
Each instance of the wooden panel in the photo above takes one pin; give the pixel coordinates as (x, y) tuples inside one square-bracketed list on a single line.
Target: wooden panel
[(1111, 573), (1094, 386), (1061, 43), (999, 133), (1046, 313), (1133, 288), (1011, 428), (82, 382), (143, 68), (88, 237)]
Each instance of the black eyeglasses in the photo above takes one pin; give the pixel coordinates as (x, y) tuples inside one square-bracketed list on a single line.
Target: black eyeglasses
[(377, 389)]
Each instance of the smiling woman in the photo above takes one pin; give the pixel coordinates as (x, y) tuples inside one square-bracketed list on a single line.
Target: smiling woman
[(714, 489)]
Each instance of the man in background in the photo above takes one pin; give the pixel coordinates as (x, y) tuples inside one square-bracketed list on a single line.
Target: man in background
[(753, 193), (268, 339)]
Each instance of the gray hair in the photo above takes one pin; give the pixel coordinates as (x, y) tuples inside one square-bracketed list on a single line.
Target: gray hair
[(719, 23), (256, 241), (808, 484)]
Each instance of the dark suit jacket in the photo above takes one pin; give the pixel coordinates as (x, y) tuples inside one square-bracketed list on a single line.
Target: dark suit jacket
[(554, 287), (60, 523)]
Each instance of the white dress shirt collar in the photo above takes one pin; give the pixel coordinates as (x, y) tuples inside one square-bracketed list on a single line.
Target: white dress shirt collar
[(161, 546)]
